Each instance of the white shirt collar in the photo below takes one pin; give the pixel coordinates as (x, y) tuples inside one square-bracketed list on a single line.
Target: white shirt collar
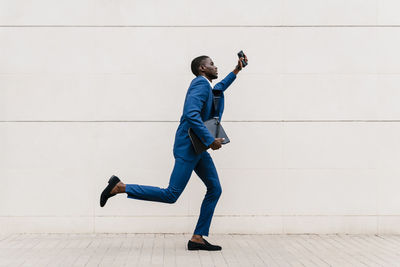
[(207, 80)]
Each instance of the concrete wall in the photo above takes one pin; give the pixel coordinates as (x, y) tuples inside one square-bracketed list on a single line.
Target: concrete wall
[(88, 87)]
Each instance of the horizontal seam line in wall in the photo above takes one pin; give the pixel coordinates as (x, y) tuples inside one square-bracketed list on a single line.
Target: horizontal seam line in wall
[(244, 74), (196, 215), (109, 234), (309, 170), (199, 26), (174, 121)]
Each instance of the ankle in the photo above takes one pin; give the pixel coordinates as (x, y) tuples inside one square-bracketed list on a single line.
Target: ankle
[(197, 237), (119, 188)]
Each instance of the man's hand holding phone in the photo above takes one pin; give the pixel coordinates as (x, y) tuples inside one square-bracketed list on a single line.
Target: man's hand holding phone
[(242, 62)]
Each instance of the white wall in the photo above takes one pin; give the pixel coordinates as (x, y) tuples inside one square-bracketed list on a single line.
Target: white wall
[(96, 87)]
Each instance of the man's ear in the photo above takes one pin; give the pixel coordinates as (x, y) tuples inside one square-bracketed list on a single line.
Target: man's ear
[(202, 68)]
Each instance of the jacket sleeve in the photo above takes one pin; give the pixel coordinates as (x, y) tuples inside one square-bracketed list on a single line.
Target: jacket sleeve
[(219, 89), (224, 84), (197, 96)]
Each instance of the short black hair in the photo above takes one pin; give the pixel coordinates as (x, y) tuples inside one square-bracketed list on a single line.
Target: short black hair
[(196, 64)]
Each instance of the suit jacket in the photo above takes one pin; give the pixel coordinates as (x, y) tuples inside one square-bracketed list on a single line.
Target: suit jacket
[(198, 108)]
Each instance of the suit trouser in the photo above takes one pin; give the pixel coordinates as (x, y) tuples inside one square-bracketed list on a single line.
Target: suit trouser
[(205, 169)]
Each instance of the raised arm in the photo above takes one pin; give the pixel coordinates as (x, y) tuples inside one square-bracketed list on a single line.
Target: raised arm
[(224, 84)]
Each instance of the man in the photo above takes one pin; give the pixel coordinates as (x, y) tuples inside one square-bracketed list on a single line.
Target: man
[(198, 108)]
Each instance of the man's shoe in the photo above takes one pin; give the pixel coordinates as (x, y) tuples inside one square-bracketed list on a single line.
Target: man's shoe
[(106, 194), (199, 246)]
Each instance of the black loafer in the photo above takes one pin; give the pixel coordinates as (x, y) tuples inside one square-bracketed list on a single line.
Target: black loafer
[(199, 246), (105, 195)]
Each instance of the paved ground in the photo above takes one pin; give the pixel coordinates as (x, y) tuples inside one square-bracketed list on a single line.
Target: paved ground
[(170, 250)]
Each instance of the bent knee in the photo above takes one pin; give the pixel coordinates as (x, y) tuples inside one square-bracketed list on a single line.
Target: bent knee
[(219, 191), (216, 191), (171, 200), (172, 197)]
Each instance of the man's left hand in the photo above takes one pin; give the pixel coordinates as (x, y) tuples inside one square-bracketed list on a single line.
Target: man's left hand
[(239, 66)]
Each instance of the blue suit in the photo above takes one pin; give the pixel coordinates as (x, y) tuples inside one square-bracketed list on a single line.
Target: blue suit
[(198, 108)]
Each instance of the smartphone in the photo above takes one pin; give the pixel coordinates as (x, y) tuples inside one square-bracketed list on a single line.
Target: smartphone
[(241, 54)]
